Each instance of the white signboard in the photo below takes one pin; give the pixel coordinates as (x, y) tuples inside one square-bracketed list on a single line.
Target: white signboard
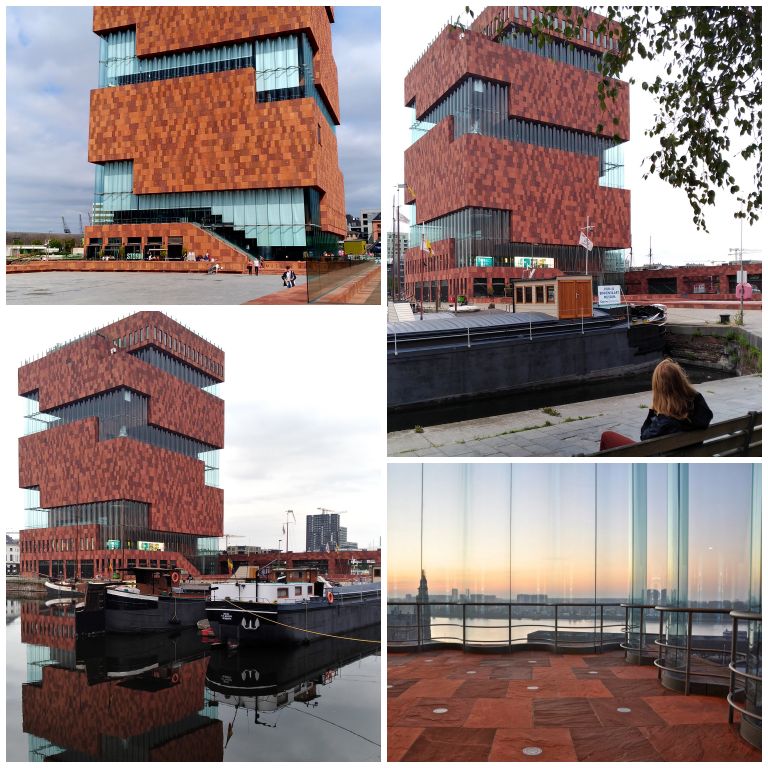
[(741, 276), (534, 262), (151, 546), (608, 295)]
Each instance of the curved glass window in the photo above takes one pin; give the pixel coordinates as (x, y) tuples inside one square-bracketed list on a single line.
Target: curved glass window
[(176, 367), (283, 65), (481, 107), (515, 553), (272, 217)]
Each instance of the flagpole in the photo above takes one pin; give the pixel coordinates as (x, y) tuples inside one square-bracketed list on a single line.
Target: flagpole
[(421, 303)]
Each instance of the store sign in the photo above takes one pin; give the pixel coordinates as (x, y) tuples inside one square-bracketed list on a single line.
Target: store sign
[(151, 546), (530, 262), (608, 295), (113, 543), (483, 261)]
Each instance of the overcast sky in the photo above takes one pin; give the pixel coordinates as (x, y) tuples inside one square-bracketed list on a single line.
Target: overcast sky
[(304, 413), (52, 62), (657, 209)]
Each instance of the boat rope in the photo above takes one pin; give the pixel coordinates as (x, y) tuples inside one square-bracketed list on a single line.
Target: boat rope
[(299, 629), (330, 722)]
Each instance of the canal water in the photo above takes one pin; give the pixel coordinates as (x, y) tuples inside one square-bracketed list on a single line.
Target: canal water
[(496, 405), (161, 697)]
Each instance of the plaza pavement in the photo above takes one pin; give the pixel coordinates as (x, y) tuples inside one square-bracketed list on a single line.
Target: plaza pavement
[(45, 288), (576, 430), (753, 319)]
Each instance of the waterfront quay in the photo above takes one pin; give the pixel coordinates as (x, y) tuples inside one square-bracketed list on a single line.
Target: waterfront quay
[(576, 428)]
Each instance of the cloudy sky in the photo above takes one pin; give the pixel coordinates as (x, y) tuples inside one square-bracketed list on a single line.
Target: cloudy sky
[(658, 211), (304, 420), (52, 61)]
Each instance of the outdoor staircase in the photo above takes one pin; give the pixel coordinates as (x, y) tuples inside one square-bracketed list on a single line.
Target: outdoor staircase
[(400, 312), (363, 289), (234, 259)]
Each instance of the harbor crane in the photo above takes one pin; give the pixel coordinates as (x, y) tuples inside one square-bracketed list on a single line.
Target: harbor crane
[(67, 230)]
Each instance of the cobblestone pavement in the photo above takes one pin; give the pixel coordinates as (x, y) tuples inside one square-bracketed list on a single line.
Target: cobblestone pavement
[(141, 288), (575, 430)]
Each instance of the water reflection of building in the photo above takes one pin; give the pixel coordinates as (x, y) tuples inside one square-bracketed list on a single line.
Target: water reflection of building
[(114, 698), (12, 610)]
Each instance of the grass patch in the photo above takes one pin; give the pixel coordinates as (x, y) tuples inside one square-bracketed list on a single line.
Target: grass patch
[(418, 429), (550, 411), (569, 419)]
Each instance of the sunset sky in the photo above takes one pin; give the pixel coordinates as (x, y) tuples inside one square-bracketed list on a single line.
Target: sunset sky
[(560, 529)]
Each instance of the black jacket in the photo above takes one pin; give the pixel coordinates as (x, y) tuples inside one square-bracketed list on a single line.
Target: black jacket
[(656, 424)]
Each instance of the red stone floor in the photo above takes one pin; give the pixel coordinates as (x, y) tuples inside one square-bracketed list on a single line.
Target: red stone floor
[(493, 713)]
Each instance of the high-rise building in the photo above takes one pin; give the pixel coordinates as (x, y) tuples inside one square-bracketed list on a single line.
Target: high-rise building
[(324, 531), (120, 455), (213, 130), (510, 163)]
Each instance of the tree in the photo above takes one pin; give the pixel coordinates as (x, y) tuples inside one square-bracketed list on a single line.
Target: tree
[(711, 88)]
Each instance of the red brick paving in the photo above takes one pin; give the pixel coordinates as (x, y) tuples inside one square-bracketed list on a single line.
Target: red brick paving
[(492, 715)]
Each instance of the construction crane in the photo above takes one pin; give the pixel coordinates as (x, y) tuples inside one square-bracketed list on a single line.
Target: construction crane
[(67, 230)]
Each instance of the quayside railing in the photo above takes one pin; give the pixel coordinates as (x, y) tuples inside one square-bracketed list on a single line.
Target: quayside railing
[(506, 625)]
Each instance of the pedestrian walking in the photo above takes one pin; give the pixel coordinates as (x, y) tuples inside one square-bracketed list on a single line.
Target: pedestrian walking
[(256, 265), (289, 277)]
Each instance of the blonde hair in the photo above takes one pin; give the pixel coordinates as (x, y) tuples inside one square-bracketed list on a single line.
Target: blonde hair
[(672, 392)]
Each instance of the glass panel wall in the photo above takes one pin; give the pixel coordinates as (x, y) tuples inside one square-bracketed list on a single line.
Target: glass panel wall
[(515, 553)]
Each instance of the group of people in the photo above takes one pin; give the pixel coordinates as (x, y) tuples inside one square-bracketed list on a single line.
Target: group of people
[(675, 407)]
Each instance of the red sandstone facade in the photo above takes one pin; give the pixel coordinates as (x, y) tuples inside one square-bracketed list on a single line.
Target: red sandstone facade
[(546, 192), (208, 132), (71, 466)]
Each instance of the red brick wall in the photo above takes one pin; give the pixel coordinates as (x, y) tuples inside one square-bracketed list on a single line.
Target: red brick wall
[(162, 29), (208, 132), (539, 89), (636, 281), (548, 191), (71, 466), (87, 367), (72, 714)]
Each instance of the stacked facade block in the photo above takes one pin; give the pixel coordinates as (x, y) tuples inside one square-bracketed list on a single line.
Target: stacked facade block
[(509, 162), (121, 450), (220, 117)]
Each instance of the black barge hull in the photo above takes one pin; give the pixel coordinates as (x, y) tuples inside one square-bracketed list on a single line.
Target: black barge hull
[(246, 623), (135, 614)]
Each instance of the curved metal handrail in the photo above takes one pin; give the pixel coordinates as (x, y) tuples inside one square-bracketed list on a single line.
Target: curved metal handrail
[(734, 690), (627, 646), (688, 648)]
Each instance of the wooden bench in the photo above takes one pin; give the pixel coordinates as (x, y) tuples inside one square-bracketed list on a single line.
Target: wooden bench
[(734, 437)]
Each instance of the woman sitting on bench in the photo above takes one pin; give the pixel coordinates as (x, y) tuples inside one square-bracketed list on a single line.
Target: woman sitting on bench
[(676, 407)]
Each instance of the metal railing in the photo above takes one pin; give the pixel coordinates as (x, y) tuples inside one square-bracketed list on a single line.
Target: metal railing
[(752, 685), (545, 624), (639, 648), (699, 662)]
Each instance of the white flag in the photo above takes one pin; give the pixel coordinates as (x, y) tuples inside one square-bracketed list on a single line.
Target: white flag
[(404, 219), (585, 242)]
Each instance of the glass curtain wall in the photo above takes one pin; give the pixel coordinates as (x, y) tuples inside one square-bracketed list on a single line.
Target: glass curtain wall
[(516, 553)]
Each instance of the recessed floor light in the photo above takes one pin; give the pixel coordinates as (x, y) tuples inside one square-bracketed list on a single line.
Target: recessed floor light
[(390, 686), (591, 672), (533, 687), (428, 660), (531, 661), (532, 751), (440, 710), (471, 672), (623, 709)]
